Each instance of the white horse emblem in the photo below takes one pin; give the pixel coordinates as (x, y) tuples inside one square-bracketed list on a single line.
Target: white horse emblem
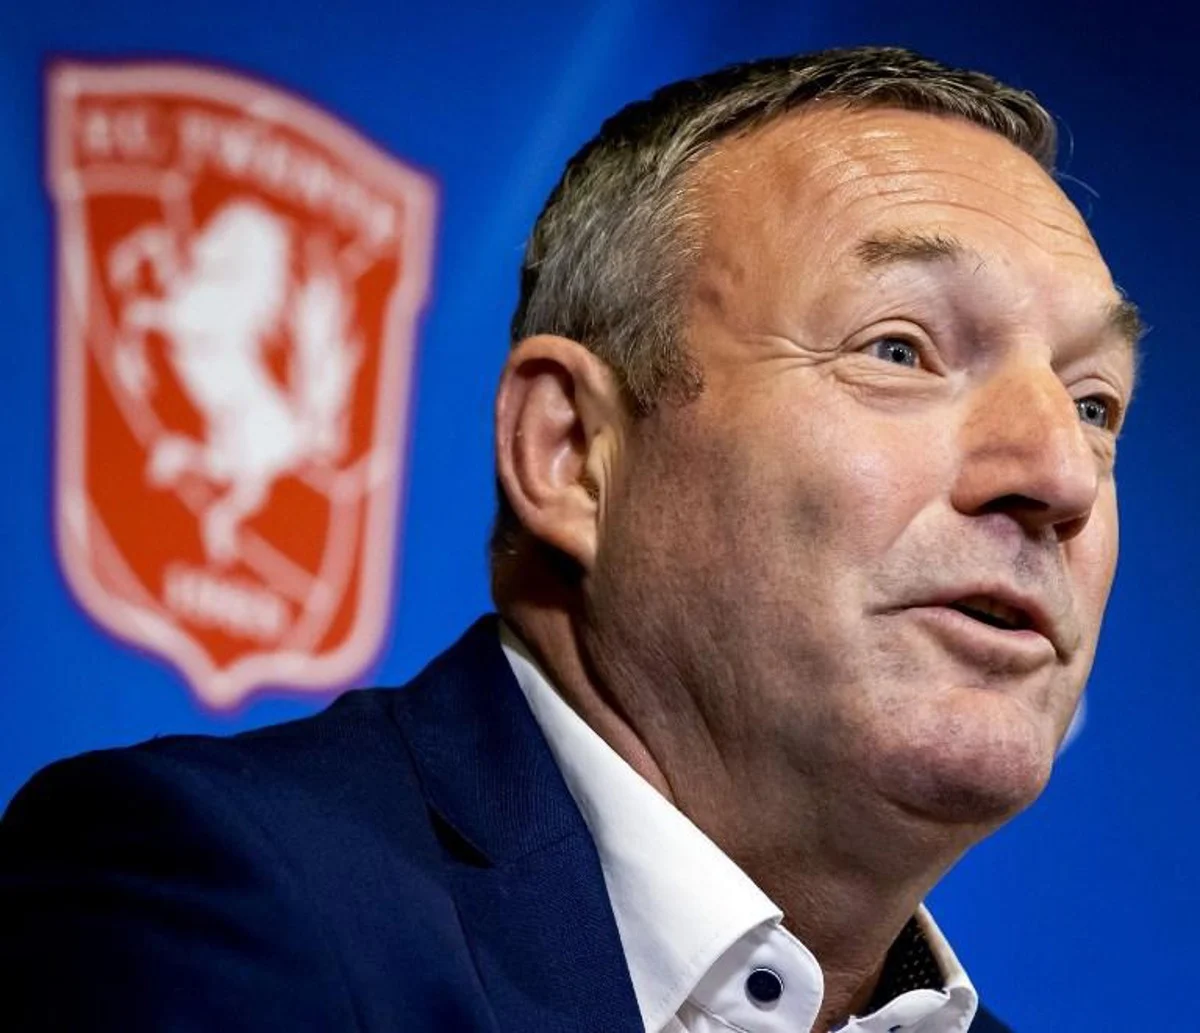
[(220, 304)]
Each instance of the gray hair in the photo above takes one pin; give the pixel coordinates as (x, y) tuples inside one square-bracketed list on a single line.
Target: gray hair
[(611, 253)]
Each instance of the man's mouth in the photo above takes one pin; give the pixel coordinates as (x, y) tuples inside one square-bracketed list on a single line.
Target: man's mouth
[(989, 619), (993, 612), (992, 626)]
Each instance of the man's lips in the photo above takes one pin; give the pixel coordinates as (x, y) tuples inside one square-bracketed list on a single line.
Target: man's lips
[(982, 645), (992, 617)]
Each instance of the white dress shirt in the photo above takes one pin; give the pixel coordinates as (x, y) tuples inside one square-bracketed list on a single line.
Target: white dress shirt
[(693, 925)]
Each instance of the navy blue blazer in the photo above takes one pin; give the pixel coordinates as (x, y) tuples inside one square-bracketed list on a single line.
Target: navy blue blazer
[(407, 860)]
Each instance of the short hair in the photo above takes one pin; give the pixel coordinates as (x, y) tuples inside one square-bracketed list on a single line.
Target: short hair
[(611, 253)]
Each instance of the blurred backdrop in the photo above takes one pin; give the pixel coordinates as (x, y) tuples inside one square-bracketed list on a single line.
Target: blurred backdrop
[(1082, 915)]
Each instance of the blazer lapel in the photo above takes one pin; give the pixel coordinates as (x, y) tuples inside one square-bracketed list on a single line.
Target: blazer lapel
[(523, 866)]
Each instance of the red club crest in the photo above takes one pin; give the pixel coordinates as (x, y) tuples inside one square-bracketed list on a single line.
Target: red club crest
[(239, 281)]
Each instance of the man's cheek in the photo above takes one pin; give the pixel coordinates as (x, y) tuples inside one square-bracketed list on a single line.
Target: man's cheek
[(871, 494), (1092, 561)]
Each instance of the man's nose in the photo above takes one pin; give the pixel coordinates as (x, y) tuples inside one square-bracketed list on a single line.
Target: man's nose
[(1026, 454)]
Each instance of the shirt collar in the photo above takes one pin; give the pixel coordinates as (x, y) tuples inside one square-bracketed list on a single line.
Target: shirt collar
[(681, 904)]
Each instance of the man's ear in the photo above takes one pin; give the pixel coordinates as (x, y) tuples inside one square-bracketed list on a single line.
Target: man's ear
[(559, 416)]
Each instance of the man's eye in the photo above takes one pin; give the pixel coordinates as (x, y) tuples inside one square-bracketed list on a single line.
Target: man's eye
[(1095, 410), (895, 350)]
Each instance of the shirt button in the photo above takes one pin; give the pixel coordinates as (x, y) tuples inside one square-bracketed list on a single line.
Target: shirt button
[(764, 986)]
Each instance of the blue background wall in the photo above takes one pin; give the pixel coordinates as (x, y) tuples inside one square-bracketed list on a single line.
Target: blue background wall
[(1082, 915)]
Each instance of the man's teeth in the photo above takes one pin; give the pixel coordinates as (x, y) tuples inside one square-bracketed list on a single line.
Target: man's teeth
[(1002, 614)]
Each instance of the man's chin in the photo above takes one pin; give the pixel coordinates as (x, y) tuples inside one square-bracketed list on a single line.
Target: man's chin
[(970, 797), (969, 772)]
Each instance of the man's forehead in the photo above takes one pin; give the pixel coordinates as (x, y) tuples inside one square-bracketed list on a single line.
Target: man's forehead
[(812, 188), (836, 163)]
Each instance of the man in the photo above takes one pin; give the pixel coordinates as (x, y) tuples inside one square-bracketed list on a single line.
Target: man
[(805, 447)]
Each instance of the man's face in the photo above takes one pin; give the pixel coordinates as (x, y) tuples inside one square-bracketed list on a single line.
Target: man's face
[(876, 550)]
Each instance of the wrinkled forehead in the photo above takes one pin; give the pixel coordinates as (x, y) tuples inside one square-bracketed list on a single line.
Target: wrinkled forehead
[(819, 181)]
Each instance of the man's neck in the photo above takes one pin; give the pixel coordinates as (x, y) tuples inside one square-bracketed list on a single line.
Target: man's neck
[(848, 922), (846, 897)]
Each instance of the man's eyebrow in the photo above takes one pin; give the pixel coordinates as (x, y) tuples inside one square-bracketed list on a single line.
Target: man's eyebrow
[(907, 246), (1122, 317), (1125, 320)]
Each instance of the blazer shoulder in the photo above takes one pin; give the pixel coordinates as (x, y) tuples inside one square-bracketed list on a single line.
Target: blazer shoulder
[(318, 787), (287, 878), (130, 875), (297, 781)]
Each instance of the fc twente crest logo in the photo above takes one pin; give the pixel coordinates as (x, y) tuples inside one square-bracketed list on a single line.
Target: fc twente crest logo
[(239, 280)]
